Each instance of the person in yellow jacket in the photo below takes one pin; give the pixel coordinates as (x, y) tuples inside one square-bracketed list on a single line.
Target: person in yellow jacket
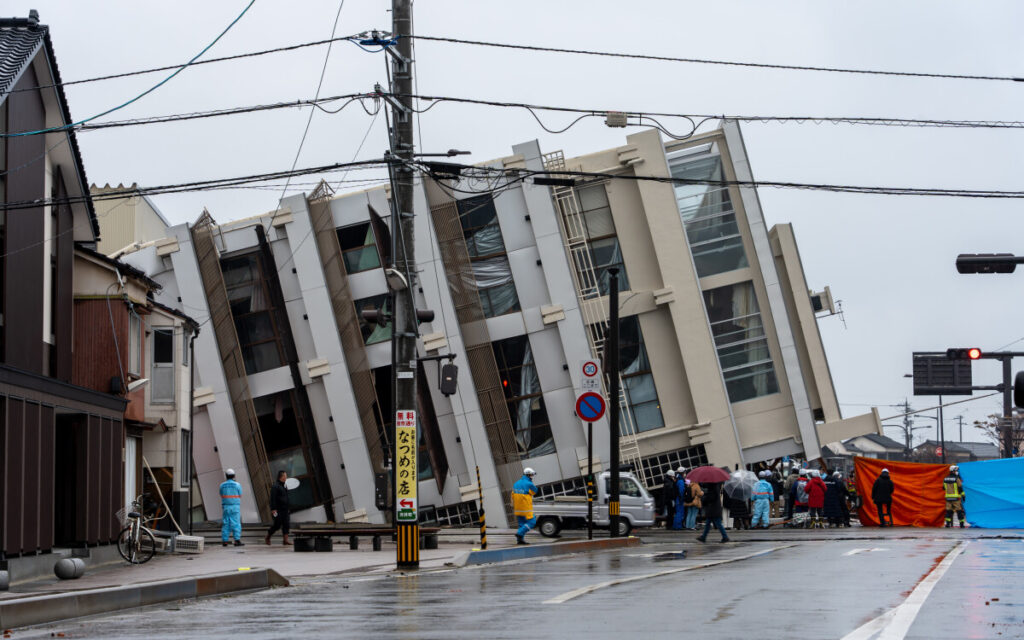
[(522, 504), (955, 496)]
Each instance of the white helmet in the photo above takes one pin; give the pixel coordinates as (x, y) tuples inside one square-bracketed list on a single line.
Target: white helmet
[(528, 471), (681, 470), (229, 473), (954, 468), (670, 473)]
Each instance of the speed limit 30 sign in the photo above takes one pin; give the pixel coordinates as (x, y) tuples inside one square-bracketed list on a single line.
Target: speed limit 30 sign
[(591, 379)]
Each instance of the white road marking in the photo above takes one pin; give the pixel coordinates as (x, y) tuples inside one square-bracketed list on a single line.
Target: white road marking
[(895, 623), (853, 552), (575, 593)]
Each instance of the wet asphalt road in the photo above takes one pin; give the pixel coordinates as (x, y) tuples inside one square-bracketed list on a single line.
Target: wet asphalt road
[(812, 589)]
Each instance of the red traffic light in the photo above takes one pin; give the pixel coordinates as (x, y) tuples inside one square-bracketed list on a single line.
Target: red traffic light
[(974, 353)]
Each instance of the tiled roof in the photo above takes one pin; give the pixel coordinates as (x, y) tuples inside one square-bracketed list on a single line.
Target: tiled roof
[(980, 449), (18, 45), (20, 41), (951, 447), (883, 441)]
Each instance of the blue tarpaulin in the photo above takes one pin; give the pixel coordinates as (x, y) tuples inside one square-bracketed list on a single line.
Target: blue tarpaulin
[(995, 493)]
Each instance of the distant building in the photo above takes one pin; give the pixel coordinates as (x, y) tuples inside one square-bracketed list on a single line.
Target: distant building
[(126, 217), (956, 452), (872, 445), (722, 361), (61, 443)]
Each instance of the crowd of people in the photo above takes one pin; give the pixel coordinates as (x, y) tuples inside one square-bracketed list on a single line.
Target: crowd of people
[(804, 498)]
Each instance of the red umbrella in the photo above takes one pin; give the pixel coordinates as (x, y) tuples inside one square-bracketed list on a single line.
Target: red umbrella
[(707, 475)]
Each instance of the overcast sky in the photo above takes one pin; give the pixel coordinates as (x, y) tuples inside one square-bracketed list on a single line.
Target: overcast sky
[(888, 258)]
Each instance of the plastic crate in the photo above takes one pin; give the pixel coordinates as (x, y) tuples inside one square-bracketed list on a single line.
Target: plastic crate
[(188, 544)]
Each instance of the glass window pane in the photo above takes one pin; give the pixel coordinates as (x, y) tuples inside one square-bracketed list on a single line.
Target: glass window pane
[(708, 216), (294, 462), (355, 236), (256, 327), (301, 497), (743, 352), (499, 300), (361, 259), (719, 256), (372, 332), (640, 388), (593, 197), (647, 416), (599, 222), (261, 357)]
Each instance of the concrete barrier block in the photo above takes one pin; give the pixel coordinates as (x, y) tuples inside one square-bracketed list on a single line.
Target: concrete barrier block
[(104, 600)]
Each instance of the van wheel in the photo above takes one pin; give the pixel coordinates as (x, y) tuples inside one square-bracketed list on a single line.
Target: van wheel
[(550, 527), (624, 527)]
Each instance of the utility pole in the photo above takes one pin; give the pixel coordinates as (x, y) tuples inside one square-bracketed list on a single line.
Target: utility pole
[(961, 419), (404, 318), (611, 363), (1007, 425), (942, 432), (908, 425)]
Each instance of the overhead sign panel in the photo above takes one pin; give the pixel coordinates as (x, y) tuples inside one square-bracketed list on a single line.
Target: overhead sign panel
[(937, 375)]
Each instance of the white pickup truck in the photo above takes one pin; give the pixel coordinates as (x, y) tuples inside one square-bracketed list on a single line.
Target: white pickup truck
[(636, 507)]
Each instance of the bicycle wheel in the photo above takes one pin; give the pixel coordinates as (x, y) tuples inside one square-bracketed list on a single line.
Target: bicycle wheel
[(124, 543), (147, 547)]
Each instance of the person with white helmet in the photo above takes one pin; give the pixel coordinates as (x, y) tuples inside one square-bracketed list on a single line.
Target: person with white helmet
[(681, 491), (231, 509), (881, 495), (522, 504), (955, 497), (764, 495)]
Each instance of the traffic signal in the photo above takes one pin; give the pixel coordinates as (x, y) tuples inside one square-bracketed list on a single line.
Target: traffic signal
[(449, 379), (376, 316), (971, 353), (986, 262)]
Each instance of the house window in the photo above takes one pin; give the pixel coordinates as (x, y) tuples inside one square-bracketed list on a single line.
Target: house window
[(162, 383), (185, 336), (358, 248), (708, 216), (741, 342), (253, 313), (283, 442), (491, 269), (373, 332), (134, 343), (637, 379), (602, 243), (519, 380)]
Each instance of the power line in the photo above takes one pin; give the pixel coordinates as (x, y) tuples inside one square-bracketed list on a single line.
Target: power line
[(757, 65), (144, 93), (909, 191)]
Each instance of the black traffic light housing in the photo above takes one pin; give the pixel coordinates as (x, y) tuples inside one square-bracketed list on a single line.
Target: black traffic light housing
[(968, 353), (1018, 390), (449, 379), (381, 318), (986, 262)]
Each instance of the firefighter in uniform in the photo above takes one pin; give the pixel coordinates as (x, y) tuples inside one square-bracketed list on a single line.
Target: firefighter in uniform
[(954, 488)]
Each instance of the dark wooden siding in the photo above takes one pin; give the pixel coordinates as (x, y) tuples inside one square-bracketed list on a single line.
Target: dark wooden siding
[(95, 361), (26, 430), (23, 306)]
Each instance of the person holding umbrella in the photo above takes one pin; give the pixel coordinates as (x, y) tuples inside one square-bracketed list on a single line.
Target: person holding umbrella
[(739, 489), (711, 479)]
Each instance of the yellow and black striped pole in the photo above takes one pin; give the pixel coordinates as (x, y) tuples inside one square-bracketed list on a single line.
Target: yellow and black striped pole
[(590, 505), (483, 517)]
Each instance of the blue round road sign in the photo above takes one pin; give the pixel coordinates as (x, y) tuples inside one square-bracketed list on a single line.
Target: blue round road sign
[(590, 406)]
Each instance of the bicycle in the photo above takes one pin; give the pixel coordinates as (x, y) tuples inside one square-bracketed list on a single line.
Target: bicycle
[(136, 542)]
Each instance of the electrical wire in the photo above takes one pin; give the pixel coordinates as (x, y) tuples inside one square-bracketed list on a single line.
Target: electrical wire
[(144, 93), (756, 65), (316, 96)]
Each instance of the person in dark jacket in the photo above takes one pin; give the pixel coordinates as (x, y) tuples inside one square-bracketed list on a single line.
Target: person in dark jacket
[(279, 508), (739, 509), (881, 495), (669, 498), (816, 490), (712, 502), (835, 500)]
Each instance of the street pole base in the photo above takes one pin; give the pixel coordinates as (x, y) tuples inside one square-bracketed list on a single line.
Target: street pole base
[(408, 549)]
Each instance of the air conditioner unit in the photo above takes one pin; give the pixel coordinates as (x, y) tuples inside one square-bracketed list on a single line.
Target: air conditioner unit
[(822, 302)]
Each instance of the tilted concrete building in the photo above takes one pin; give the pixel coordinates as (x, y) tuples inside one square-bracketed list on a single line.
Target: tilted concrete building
[(721, 357)]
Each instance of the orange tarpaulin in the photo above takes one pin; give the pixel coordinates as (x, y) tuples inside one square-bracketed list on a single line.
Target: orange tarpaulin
[(919, 499)]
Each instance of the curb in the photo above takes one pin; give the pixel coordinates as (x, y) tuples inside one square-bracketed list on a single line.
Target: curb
[(32, 610), (542, 550)]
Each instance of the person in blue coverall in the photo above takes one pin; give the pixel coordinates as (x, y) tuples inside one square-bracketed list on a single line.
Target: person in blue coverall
[(764, 495), (231, 508), (522, 503), (681, 510)]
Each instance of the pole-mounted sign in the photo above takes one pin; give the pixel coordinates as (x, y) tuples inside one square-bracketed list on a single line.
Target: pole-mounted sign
[(591, 380), (405, 467), (590, 406)]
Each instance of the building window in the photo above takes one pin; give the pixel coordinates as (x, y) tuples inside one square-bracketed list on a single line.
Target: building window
[(134, 343), (185, 337), (602, 243), (708, 216), (373, 332), (738, 330), (519, 380), (491, 269), (162, 383), (253, 313), (358, 248), (637, 379), (283, 442)]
